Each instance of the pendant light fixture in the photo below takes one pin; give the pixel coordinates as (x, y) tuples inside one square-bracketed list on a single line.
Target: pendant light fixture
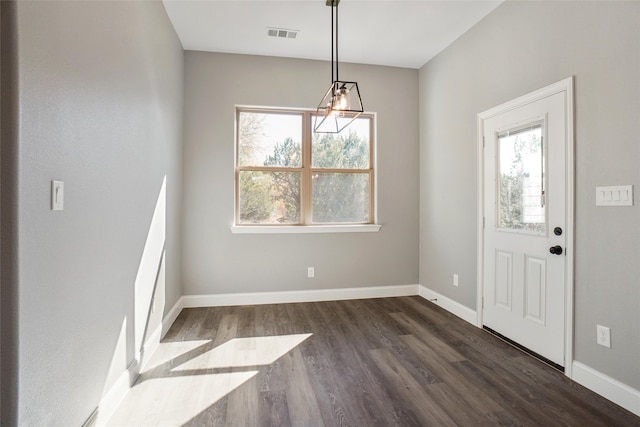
[(342, 103)]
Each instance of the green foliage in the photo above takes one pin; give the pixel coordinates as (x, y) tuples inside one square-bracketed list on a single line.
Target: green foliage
[(287, 154), (250, 129), (512, 182), (337, 197), (331, 151), (340, 197), (256, 203), (510, 201), (286, 185)]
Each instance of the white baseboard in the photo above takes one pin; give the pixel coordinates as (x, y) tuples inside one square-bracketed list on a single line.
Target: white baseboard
[(462, 311), (149, 347), (112, 398), (256, 298), (612, 389), (171, 317)]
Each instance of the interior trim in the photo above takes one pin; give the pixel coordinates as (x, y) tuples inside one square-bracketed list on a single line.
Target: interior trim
[(191, 301), (454, 307), (302, 229), (612, 389)]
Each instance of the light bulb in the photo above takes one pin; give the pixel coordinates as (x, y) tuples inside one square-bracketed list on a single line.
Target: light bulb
[(342, 98)]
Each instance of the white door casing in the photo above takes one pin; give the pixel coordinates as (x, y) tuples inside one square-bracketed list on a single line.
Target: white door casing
[(524, 291)]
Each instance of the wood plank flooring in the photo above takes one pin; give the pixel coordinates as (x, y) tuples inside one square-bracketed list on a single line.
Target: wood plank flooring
[(377, 362)]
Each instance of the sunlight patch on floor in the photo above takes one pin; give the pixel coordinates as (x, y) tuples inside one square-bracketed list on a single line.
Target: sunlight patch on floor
[(243, 352), (185, 378), (173, 401)]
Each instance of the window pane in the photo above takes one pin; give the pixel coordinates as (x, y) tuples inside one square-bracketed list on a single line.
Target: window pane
[(521, 181), (269, 197), (269, 139), (340, 197), (347, 149)]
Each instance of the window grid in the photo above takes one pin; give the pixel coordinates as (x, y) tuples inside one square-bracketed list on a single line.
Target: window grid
[(306, 171)]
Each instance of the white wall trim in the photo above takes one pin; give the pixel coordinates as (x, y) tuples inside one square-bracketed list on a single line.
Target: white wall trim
[(302, 229), (454, 307), (189, 301), (112, 398), (149, 347), (171, 317), (612, 389)]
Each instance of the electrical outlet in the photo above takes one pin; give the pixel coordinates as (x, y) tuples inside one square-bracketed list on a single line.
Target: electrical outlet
[(604, 336), (311, 272), (455, 279)]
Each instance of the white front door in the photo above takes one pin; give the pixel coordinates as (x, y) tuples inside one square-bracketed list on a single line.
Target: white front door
[(525, 223)]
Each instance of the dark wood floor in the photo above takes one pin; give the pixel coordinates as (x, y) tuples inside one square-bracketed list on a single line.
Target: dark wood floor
[(378, 362)]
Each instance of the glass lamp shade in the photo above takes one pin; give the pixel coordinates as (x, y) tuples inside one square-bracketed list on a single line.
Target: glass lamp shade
[(340, 106)]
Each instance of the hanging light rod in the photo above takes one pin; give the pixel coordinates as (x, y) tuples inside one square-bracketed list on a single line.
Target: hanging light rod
[(342, 103)]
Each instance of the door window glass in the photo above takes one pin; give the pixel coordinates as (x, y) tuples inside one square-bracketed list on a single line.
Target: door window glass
[(521, 179)]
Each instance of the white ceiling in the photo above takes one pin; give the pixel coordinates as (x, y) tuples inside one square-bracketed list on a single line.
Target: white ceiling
[(401, 33)]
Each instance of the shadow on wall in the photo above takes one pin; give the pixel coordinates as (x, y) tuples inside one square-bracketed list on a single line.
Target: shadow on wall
[(144, 330)]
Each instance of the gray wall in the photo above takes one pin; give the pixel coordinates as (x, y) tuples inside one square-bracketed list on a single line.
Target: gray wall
[(216, 261), (520, 47), (100, 87)]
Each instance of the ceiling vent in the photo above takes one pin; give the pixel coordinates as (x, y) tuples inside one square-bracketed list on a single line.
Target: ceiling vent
[(282, 33)]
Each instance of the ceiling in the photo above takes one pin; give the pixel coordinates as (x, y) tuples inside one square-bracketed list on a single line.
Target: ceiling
[(400, 33)]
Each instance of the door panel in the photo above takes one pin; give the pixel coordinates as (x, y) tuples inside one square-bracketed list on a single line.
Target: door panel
[(504, 279), (535, 291)]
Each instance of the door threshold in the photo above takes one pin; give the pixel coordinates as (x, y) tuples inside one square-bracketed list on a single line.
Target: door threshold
[(524, 349)]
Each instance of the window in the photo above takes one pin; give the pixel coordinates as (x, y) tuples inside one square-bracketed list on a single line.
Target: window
[(288, 175), (521, 186)]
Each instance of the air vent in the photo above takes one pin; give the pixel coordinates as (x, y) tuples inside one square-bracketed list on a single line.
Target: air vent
[(282, 33)]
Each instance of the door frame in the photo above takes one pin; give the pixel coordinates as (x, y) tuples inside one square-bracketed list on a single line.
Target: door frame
[(563, 86)]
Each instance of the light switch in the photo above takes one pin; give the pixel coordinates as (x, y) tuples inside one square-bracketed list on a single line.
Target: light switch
[(621, 195), (57, 195)]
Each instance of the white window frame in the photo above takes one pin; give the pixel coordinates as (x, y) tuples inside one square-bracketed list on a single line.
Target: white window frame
[(305, 226)]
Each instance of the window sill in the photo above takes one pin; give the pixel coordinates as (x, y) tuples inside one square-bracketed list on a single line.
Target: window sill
[(302, 229)]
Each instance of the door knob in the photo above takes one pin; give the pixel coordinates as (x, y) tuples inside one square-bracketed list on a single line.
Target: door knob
[(556, 250)]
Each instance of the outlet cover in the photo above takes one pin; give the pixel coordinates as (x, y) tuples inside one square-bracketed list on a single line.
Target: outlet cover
[(455, 280), (604, 336), (311, 272)]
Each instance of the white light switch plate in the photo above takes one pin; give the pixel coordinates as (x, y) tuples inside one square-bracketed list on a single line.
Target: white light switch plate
[(621, 195), (57, 195)]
